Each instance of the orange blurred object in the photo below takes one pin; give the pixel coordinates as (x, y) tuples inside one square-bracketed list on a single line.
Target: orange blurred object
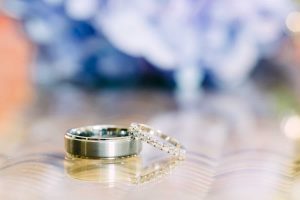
[(15, 57)]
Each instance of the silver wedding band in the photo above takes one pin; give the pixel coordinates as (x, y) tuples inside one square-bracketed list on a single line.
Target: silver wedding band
[(101, 141)]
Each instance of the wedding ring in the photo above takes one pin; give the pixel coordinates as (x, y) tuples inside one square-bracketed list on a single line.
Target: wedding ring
[(157, 139), (101, 141)]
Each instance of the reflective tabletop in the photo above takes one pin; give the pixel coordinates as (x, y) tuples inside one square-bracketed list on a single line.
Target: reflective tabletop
[(236, 149)]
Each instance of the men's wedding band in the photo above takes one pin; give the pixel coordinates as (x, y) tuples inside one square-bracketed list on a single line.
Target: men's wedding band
[(101, 141)]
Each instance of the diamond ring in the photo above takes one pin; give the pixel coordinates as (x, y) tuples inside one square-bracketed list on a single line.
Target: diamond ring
[(157, 139)]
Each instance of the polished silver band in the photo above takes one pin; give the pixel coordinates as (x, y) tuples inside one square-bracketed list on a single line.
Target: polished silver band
[(157, 139), (101, 141)]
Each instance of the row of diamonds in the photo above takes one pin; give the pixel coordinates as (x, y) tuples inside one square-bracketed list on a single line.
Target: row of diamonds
[(148, 136)]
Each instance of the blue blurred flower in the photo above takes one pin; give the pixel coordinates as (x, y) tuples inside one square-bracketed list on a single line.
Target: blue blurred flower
[(93, 40), (225, 38)]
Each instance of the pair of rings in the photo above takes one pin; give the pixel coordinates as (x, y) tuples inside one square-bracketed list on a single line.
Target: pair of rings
[(109, 141)]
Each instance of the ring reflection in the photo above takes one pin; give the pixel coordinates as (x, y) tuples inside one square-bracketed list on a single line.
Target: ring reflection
[(129, 169)]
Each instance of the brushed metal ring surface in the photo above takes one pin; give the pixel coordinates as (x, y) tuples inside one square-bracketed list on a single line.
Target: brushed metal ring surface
[(101, 141)]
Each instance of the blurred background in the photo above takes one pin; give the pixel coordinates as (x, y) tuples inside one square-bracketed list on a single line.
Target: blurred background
[(229, 69)]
